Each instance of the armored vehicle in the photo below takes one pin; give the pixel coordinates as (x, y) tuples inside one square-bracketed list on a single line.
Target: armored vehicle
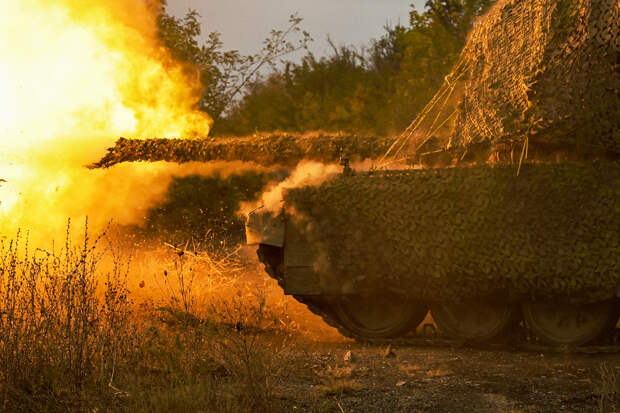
[(481, 248), (508, 208), (499, 204)]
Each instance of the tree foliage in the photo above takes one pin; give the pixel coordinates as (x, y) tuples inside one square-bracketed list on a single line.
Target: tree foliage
[(225, 73), (376, 89), (205, 208)]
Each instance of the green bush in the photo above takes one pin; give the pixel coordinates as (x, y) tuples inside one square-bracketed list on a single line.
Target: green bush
[(204, 209)]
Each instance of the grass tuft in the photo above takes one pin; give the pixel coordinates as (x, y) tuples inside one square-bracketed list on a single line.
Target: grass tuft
[(73, 339)]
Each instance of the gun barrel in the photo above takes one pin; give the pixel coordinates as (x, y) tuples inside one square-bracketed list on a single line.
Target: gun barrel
[(286, 150)]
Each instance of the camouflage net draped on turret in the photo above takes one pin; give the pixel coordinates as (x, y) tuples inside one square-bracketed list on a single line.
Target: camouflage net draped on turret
[(275, 149), (540, 73), (464, 232)]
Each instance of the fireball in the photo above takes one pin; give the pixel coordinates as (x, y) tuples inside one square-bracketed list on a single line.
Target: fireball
[(74, 76)]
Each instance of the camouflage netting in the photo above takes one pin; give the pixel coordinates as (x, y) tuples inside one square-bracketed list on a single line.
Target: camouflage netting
[(533, 73), (466, 232), (543, 72), (275, 149)]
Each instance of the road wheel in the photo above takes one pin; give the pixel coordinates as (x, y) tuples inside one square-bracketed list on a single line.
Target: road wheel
[(559, 323), (382, 315), (476, 321)]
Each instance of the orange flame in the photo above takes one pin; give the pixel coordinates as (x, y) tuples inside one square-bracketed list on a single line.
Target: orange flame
[(74, 76)]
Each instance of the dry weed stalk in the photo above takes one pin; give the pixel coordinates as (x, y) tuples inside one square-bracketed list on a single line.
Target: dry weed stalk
[(60, 330), (224, 325), (248, 340), (609, 392), (71, 337), (218, 269)]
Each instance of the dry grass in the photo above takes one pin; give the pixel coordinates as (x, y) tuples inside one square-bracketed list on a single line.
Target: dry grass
[(73, 339), (340, 387), (609, 391), (63, 327)]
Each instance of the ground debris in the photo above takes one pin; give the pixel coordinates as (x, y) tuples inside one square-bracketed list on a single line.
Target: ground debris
[(389, 352)]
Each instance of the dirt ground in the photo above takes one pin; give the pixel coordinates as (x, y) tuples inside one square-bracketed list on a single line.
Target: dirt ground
[(322, 377), (443, 380)]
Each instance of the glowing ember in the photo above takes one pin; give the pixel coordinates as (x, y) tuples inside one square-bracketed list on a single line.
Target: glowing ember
[(74, 76)]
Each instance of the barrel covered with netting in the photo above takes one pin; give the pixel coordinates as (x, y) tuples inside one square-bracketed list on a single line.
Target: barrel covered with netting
[(272, 149), (459, 233)]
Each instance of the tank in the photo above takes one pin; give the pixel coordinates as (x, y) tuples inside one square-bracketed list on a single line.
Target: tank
[(479, 247), (508, 211), (498, 206)]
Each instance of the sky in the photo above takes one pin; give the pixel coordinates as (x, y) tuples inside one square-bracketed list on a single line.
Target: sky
[(244, 24)]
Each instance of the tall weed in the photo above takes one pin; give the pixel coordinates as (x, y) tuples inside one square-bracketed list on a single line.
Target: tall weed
[(61, 330)]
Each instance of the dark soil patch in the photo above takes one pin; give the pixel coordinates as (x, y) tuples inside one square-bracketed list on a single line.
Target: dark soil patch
[(441, 380)]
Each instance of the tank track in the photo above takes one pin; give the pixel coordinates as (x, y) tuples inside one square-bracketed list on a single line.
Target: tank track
[(520, 339)]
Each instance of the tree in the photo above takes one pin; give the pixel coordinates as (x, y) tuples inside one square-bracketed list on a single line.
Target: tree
[(377, 89), (225, 73)]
